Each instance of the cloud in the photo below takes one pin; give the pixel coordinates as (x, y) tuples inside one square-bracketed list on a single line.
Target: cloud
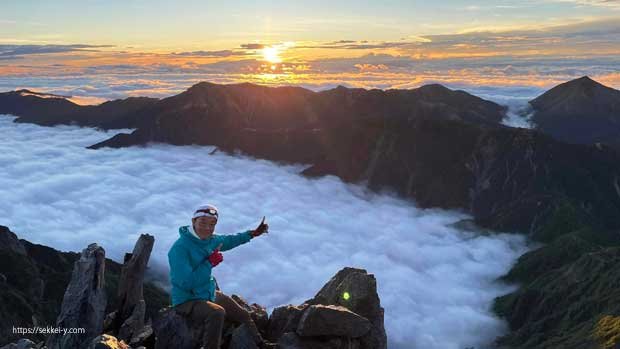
[(252, 46), (18, 51), (357, 45), (436, 283), (597, 3), (220, 53)]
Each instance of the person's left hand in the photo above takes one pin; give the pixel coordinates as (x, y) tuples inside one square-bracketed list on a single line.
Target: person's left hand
[(261, 229), (216, 257)]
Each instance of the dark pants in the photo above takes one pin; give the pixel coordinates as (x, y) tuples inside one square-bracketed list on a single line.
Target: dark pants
[(212, 314)]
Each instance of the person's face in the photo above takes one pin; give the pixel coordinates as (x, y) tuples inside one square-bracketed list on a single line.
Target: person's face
[(204, 226)]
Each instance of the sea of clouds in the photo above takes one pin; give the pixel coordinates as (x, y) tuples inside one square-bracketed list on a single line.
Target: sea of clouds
[(436, 282)]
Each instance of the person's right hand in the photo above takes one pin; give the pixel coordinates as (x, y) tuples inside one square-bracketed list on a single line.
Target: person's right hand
[(216, 257)]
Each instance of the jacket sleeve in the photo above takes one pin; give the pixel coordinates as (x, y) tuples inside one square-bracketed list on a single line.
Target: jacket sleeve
[(182, 275), (231, 241)]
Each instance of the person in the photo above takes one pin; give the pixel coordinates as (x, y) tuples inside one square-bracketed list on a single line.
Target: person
[(194, 295)]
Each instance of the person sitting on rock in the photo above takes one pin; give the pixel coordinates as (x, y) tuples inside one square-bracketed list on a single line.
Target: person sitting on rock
[(194, 294)]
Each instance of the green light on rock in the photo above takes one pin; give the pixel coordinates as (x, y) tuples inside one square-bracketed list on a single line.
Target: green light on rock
[(346, 296)]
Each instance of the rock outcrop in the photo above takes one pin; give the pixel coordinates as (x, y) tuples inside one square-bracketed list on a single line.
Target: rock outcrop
[(32, 286), (345, 313), (129, 319), (84, 303)]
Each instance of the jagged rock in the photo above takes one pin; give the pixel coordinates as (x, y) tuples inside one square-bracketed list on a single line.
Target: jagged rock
[(84, 302), (284, 319), (134, 323), (21, 344), (291, 340), (173, 331), (130, 314), (356, 290), (257, 312), (106, 341), (242, 338), (331, 320)]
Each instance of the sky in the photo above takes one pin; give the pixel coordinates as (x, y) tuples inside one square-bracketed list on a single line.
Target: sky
[(159, 48), (436, 282)]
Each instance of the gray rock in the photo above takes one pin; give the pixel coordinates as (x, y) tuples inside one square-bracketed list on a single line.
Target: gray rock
[(134, 323), (284, 319), (242, 339), (332, 320), (131, 310), (105, 341), (23, 343), (356, 290), (84, 302), (173, 331), (258, 313), (141, 336)]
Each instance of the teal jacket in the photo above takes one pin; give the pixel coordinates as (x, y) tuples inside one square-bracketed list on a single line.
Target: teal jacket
[(190, 270)]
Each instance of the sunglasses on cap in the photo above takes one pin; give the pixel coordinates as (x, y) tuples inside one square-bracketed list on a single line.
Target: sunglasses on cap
[(206, 212)]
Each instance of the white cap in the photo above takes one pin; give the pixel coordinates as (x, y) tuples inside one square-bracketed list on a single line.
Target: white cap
[(206, 210)]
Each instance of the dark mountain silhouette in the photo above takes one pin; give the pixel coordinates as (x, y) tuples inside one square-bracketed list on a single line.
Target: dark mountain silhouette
[(580, 111), (48, 110), (440, 147)]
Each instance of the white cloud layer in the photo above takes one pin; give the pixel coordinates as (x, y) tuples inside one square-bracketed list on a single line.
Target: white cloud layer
[(436, 283)]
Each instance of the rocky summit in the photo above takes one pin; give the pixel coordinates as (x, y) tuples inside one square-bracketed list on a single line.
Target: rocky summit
[(328, 320), (34, 280)]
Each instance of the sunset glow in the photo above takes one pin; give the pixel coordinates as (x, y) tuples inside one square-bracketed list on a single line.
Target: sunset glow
[(271, 54), (311, 44)]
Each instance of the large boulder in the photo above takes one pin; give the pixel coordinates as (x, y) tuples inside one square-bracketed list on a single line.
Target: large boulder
[(174, 331), (332, 320), (242, 339), (356, 290), (258, 313), (284, 319)]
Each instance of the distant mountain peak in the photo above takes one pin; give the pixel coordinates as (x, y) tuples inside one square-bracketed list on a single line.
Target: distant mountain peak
[(579, 111)]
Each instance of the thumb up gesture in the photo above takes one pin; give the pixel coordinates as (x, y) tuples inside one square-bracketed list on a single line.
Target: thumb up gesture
[(261, 229), (216, 257)]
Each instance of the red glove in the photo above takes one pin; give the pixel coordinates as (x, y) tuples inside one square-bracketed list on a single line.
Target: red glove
[(261, 229), (216, 257)]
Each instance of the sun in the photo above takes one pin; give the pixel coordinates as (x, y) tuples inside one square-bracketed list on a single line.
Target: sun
[(271, 54)]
